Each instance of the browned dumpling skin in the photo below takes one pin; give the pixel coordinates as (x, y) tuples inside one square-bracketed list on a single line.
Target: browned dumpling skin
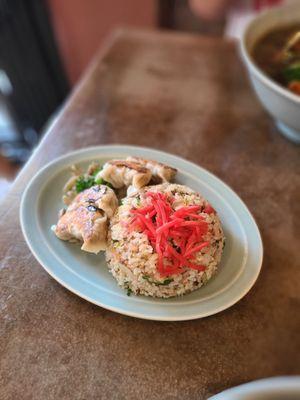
[(86, 218), (160, 172), (120, 173)]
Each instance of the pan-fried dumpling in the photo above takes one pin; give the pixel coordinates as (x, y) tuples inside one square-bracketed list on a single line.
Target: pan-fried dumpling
[(120, 173), (161, 173), (86, 218)]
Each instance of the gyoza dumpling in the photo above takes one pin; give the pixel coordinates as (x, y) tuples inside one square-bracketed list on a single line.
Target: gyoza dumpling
[(120, 173), (86, 218), (161, 173)]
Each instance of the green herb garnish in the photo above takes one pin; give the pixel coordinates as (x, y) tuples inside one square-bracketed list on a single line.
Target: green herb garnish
[(164, 283), (101, 181), (83, 183), (96, 171), (129, 291), (158, 283), (292, 72)]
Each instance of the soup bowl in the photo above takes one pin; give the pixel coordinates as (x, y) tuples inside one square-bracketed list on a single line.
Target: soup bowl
[(282, 104)]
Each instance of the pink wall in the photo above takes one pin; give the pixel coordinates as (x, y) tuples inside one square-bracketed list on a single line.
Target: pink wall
[(80, 26)]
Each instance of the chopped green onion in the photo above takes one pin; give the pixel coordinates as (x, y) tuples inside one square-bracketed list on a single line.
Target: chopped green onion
[(292, 72), (157, 283), (164, 283)]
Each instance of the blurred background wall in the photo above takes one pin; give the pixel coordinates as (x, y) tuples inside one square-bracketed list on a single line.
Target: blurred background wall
[(80, 27), (45, 46)]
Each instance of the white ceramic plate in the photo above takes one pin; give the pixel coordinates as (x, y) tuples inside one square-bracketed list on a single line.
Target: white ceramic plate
[(278, 388), (87, 275)]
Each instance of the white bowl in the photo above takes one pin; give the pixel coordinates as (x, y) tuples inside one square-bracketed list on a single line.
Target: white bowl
[(277, 388), (282, 104)]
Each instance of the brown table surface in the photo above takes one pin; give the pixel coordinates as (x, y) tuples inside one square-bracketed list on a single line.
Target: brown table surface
[(189, 96)]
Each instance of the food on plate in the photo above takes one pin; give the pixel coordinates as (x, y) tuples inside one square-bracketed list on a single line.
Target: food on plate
[(135, 172), (120, 173), (277, 53), (160, 172), (86, 218), (164, 240), (80, 181), (132, 173)]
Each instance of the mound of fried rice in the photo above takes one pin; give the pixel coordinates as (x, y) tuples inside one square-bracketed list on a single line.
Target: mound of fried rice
[(133, 261)]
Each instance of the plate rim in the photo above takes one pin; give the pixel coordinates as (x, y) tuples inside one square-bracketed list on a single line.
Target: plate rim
[(126, 149)]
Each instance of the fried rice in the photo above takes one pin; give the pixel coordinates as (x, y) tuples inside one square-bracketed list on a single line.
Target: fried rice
[(133, 261)]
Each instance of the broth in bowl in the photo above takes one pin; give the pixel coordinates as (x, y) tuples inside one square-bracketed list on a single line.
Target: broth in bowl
[(277, 53)]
